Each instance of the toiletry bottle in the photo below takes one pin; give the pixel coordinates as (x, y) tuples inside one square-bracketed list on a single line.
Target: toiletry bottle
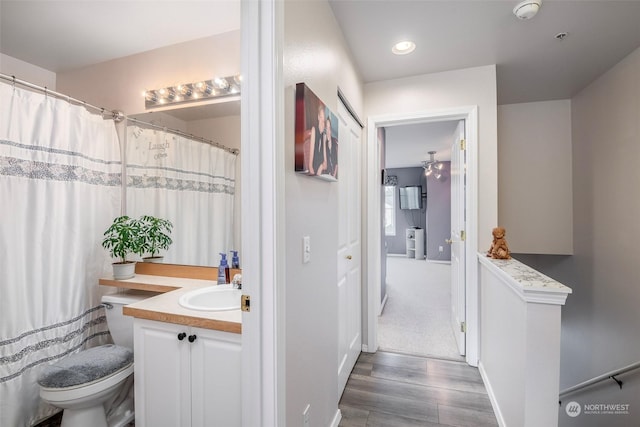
[(235, 261), (223, 270)]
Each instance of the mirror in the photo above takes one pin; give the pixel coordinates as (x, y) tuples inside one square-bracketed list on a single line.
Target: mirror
[(112, 72), (186, 180)]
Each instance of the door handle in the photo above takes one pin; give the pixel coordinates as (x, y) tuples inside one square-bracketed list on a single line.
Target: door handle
[(448, 241)]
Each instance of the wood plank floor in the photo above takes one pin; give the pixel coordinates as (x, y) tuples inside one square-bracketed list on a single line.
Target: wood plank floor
[(395, 390)]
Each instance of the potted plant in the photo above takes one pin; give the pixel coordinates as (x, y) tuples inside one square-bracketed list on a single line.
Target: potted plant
[(122, 238), (156, 236)]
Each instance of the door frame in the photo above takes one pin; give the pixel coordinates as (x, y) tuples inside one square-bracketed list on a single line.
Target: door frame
[(262, 216), (374, 220)]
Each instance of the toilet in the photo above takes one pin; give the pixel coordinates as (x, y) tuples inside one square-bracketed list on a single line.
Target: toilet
[(82, 383)]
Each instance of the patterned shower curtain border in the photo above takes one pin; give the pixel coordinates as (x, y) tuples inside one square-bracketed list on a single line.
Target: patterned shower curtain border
[(57, 151), (179, 184), (11, 166)]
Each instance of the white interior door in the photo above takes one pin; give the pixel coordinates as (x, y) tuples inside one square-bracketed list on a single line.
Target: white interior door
[(349, 246), (458, 281)]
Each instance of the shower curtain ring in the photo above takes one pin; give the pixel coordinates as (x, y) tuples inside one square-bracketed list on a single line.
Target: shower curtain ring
[(45, 92), (14, 81)]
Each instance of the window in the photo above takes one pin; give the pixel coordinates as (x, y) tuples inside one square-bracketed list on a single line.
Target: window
[(389, 210)]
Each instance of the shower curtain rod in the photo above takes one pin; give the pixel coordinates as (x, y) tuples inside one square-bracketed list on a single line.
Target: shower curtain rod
[(116, 116), (187, 135)]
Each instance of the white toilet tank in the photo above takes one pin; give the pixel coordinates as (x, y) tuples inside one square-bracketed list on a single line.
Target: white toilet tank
[(121, 326)]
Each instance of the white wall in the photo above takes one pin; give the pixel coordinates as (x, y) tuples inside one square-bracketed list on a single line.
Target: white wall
[(601, 318), (119, 84), (606, 178), (535, 201), (26, 71), (314, 53), (472, 86)]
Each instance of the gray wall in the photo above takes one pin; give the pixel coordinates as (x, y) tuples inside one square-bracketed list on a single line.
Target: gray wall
[(601, 318), (439, 216), (406, 218)]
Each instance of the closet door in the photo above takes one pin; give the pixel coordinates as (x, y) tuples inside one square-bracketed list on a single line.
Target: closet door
[(349, 246)]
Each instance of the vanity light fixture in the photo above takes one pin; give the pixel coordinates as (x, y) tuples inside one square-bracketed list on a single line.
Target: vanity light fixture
[(190, 92), (404, 47)]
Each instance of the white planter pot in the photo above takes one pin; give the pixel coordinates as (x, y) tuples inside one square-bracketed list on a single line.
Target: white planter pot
[(122, 271), (155, 259)]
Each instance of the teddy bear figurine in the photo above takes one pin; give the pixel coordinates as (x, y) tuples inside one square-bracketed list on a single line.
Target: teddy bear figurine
[(499, 248)]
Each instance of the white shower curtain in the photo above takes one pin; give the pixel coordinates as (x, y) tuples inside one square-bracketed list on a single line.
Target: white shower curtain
[(190, 183), (60, 188)]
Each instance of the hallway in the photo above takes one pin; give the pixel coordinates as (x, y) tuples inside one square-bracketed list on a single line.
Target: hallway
[(417, 316), (389, 389)]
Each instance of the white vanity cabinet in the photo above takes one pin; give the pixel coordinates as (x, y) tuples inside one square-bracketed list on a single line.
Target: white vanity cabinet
[(186, 376)]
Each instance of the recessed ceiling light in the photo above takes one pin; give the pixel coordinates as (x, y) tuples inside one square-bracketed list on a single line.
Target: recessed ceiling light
[(527, 9), (403, 47)]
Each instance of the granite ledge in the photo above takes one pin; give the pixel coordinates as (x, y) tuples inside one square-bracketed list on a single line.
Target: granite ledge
[(529, 283)]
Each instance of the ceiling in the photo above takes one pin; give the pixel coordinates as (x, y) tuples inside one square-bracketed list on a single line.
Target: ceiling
[(407, 145), (62, 35), (450, 34), (532, 65)]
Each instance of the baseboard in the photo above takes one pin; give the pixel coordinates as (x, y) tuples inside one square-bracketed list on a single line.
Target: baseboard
[(337, 418), (384, 301), (492, 396), (435, 261)]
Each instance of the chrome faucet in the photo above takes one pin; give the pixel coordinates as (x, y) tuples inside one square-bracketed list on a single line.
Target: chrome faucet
[(236, 282)]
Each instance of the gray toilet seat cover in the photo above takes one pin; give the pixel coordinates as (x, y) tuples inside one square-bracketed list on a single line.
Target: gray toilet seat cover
[(86, 366)]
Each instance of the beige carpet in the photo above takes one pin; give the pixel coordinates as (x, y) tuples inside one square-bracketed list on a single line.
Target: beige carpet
[(416, 317)]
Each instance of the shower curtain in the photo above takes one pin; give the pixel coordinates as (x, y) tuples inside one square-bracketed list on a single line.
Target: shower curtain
[(190, 183), (60, 188)]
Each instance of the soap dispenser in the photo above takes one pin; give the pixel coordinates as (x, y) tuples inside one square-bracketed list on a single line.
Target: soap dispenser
[(223, 270), (235, 260)]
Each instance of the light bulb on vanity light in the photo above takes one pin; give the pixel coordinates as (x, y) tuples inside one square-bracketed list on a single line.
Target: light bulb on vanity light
[(205, 88), (151, 96), (220, 83), (185, 90)]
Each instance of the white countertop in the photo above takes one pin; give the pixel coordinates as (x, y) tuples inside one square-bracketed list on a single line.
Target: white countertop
[(164, 307)]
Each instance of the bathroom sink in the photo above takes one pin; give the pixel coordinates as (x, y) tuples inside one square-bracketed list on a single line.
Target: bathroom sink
[(212, 298)]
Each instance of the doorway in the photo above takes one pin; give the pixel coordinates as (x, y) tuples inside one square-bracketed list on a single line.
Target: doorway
[(469, 298), (416, 312)]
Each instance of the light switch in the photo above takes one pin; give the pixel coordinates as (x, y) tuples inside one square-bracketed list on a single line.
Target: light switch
[(306, 249)]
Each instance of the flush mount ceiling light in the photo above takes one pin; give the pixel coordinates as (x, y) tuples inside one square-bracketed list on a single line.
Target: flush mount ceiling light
[(403, 47), (527, 9)]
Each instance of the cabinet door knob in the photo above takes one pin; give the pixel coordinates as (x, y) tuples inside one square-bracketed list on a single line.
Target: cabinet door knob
[(192, 338), (181, 336), (349, 257)]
